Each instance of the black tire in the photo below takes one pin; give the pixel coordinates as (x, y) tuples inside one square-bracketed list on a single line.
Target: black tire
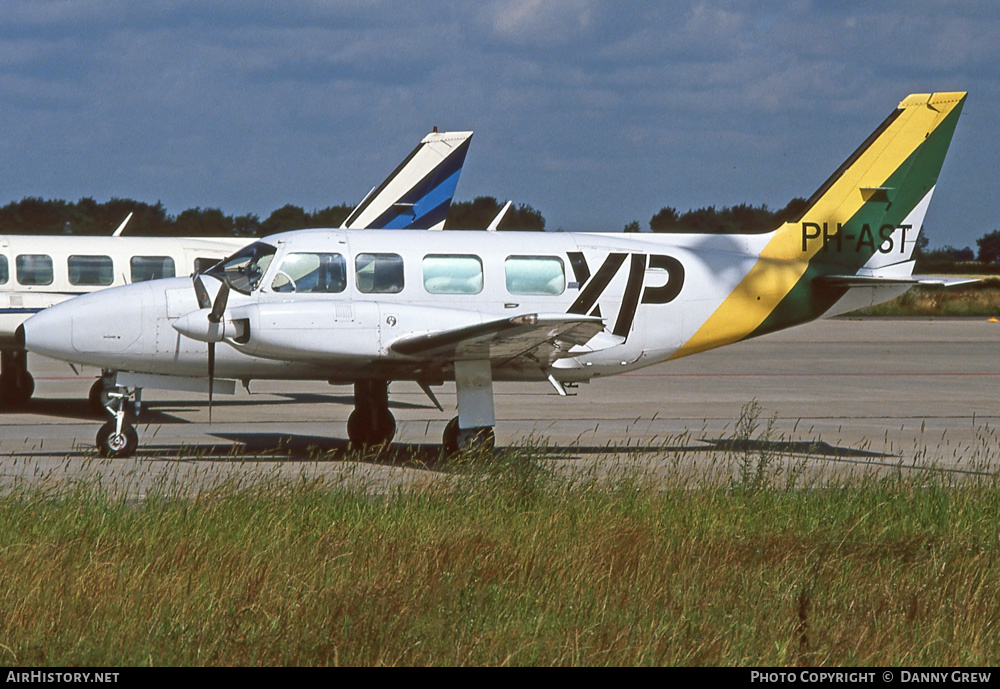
[(98, 397), (477, 439), (16, 389), (457, 440), (449, 439), (363, 431), (117, 446)]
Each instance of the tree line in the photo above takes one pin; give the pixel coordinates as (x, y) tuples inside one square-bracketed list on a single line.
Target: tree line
[(88, 217)]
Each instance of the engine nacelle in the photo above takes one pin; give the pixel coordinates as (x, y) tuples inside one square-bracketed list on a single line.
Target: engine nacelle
[(306, 329)]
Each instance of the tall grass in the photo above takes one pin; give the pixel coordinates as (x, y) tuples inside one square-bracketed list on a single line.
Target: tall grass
[(503, 562)]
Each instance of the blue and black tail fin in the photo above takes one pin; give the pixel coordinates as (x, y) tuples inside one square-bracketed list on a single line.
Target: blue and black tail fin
[(418, 193)]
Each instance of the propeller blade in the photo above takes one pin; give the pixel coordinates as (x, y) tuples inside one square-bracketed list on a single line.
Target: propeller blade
[(211, 377), (219, 307), (199, 290)]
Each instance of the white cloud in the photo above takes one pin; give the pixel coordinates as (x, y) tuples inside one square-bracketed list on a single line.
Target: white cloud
[(541, 22)]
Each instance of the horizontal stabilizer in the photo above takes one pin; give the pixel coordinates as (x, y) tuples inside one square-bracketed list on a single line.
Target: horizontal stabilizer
[(876, 280)]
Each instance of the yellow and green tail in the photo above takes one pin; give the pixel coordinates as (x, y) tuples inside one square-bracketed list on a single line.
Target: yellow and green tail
[(864, 220)]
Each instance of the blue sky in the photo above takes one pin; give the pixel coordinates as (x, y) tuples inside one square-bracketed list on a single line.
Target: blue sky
[(596, 113)]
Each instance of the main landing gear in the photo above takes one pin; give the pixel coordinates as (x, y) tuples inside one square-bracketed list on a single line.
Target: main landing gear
[(16, 384), (371, 422), (457, 440), (118, 438), (472, 429)]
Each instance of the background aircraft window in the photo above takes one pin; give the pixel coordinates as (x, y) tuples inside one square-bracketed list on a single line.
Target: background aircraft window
[(203, 264), (90, 270), (453, 274), (151, 268), (379, 273), (535, 275), (34, 269), (244, 269), (4, 270), (316, 273)]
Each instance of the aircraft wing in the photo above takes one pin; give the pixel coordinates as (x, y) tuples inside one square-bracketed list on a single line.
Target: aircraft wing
[(541, 339)]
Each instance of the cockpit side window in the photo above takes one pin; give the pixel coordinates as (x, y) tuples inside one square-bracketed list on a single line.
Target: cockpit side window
[(4, 270), (379, 273), (244, 269), (307, 272)]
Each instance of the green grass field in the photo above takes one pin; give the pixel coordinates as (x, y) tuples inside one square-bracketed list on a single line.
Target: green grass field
[(500, 562)]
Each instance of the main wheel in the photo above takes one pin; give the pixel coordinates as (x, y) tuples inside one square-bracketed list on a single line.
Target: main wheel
[(365, 430), (457, 439), (16, 388), (99, 399), (117, 445)]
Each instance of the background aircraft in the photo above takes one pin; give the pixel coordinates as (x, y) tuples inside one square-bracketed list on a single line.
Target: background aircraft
[(38, 271), (479, 307)]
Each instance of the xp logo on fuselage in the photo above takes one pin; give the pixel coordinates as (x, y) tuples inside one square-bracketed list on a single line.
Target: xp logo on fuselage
[(593, 287)]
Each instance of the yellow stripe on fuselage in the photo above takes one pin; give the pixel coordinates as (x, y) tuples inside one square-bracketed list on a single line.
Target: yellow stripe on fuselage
[(782, 263)]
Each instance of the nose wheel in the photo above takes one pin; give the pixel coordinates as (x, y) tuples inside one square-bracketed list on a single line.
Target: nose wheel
[(117, 443), (118, 439)]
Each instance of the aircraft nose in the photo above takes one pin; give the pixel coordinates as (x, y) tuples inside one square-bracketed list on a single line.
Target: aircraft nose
[(106, 322)]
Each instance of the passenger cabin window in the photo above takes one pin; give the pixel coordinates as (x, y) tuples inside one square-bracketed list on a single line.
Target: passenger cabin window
[(315, 273), (151, 268), (379, 273), (444, 274), (34, 269), (90, 270), (4, 270), (542, 275)]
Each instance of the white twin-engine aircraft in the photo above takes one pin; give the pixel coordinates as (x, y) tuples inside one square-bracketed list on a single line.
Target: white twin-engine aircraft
[(479, 307), (39, 271)]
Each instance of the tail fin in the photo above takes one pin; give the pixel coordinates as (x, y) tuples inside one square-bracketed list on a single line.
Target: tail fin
[(418, 193), (863, 221), (870, 212)]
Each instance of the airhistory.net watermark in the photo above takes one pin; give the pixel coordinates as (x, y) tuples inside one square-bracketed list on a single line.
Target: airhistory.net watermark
[(30, 676)]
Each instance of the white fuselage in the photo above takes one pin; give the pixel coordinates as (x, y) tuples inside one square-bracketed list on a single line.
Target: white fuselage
[(652, 291)]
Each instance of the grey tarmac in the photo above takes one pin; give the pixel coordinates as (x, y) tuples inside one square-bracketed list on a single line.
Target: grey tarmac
[(841, 395)]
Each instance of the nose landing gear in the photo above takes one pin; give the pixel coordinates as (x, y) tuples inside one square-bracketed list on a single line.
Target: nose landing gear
[(118, 439)]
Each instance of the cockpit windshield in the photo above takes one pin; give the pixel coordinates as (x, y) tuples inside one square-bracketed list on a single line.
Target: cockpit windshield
[(244, 269)]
